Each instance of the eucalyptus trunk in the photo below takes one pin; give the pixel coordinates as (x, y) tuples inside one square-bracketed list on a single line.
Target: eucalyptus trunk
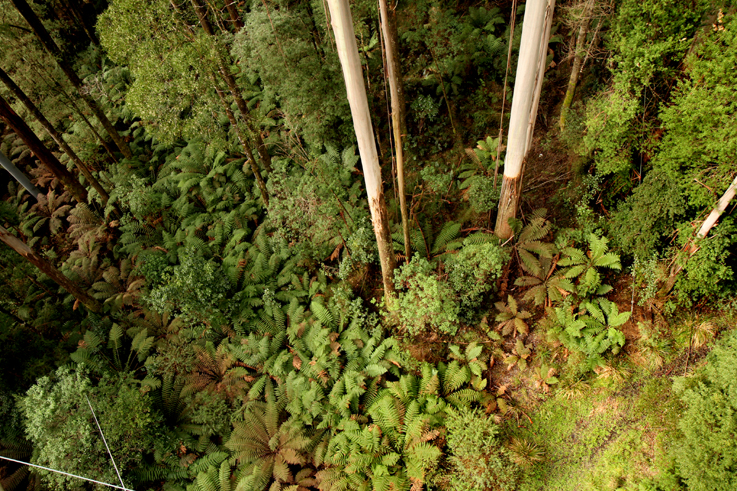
[(720, 208), (528, 82), (43, 154), (54, 134), (345, 40), (43, 36), (398, 113), (49, 270)]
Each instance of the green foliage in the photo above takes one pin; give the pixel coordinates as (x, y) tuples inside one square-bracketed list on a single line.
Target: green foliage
[(704, 449), (643, 223), (295, 61), (648, 39), (318, 206), (172, 89), (583, 266), (592, 330), (476, 456), (425, 302), (610, 132), (60, 425), (196, 288), (472, 272), (265, 447), (120, 356), (708, 273)]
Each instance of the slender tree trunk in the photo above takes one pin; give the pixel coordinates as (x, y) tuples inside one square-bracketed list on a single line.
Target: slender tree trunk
[(235, 17), (240, 103), (19, 176), (75, 108), (49, 270), (721, 206), (244, 143), (345, 39), (43, 154), (316, 39), (398, 115), (48, 43), (708, 224), (528, 69), (89, 28), (583, 31), (54, 134)]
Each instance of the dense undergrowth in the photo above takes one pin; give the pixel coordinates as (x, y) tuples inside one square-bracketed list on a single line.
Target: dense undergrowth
[(242, 344)]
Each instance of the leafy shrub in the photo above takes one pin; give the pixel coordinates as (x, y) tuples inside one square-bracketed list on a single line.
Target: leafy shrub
[(584, 266), (362, 249), (705, 453), (471, 272), (428, 302), (438, 182), (648, 38), (591, 330), (708, 273), (482, 195), (196, 287), (648, 216), (477, 458), (59, 423), (425, 302)]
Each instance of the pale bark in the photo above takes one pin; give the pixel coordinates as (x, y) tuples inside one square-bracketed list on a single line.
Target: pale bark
[(542, 66), (43, 36), (49, 270), (721, 206), (583, 31), (708, 224), (54, 134), (42, 153), (19, 176), (345, 40), (399, 124), (524, 99)]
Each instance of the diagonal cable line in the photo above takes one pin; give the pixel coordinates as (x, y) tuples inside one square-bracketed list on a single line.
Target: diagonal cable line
[(105, 442), (64, 473)]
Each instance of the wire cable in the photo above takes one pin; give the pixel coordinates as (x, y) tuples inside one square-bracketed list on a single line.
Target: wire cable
[(65, 473), (105, 442)]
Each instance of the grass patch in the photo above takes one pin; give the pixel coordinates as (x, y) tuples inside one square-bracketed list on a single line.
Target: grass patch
[(605, 439)]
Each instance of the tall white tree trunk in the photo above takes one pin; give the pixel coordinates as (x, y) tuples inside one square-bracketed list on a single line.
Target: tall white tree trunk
[(345, 40), (541, 66), (538, 14)]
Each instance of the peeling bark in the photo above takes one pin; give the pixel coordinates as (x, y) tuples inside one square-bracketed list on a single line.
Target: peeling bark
[(345, 40)]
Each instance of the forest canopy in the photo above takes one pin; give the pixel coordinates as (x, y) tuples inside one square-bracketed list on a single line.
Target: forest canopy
[(353, 245)]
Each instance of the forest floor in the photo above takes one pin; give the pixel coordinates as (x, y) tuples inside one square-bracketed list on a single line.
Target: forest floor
[(613, 431)]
